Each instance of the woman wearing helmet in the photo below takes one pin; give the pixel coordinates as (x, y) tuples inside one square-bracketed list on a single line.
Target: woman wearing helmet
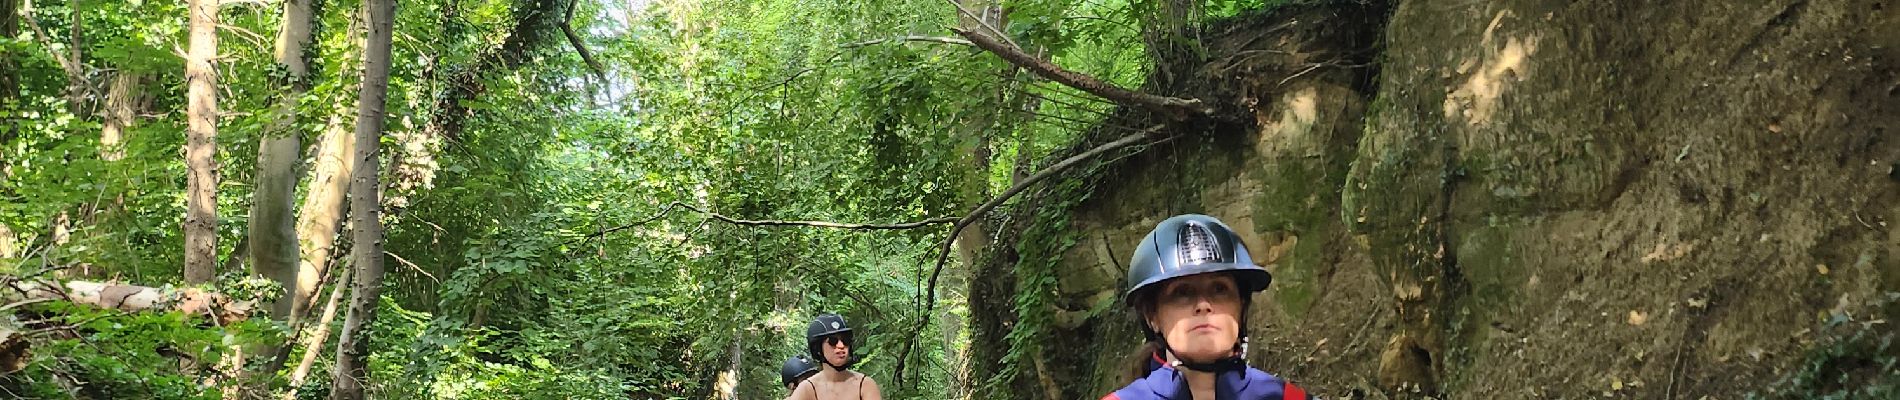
[(828, 338), (1190, 283), (796, 369)]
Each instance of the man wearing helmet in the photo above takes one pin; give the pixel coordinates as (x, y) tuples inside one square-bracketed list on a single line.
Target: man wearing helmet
[(828, 339), (1190, 284), (796, 369)]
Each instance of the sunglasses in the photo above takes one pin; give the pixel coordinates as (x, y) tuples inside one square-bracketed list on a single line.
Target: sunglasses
[(835, 340)]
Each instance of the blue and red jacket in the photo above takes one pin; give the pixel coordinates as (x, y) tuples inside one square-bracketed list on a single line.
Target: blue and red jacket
[(1165, 383)]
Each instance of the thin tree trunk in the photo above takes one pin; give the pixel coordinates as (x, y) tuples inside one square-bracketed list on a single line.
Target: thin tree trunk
[(201, 206), (314, 344), (9, 70), (272, 224), (367, 249), (323, 204), (726, 384), (9, 94), (75, 43)]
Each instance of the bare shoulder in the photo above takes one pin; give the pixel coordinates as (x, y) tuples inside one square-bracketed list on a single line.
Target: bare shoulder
[(804, 391), (870, 389)]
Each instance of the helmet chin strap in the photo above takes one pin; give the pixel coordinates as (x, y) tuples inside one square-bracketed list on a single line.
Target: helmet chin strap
[(1232, 362)]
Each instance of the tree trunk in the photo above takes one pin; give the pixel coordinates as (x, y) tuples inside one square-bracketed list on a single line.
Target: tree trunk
[(978, 132), (981, 129), (9, 94), (201, 206), (314, 344), (76, 42), (323, 204), (120, 112), (272, 224), (322, 212), (7, 242), (367, 249), (726, 384), (317, 225), (9, 70)]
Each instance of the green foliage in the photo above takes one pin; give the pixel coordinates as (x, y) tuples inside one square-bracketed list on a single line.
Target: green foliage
[(1228, 8), (79, 350), (1854, 360), (540, 256), (1040, 251)]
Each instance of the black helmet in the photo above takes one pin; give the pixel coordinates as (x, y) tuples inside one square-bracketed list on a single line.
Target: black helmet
[(1193, 244), (796, 369), (827, 324)]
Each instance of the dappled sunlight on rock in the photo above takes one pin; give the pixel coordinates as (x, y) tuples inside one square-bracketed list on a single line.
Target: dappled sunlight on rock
[(1476, 100)]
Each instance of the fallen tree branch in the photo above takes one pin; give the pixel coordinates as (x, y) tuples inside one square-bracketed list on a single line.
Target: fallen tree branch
[(567, 28), (1177, 108), (943, 251), (908, 38), (133, 298)]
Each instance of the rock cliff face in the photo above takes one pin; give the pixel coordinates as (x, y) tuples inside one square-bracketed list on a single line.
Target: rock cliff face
[(1516, 198)]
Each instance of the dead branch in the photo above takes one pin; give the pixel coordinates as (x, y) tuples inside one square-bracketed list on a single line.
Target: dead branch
[(411, 265), (1315, 66), (983, 23), (943, 251), (314, 344), (567, 28), (1176, 107)]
